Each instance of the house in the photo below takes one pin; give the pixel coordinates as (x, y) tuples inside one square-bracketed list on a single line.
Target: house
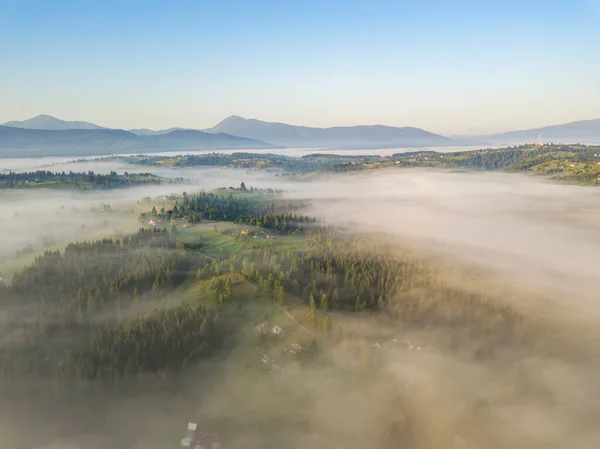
[(275, 369), (266, 359), (411, 346), (152, 223), (244, 232), (295, 348), (277, 331), (262, 328)]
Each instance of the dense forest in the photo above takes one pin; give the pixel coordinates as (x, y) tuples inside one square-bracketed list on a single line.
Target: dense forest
[(81, 181), (95, 313), (79, 313), (276, 215), (345, 272)]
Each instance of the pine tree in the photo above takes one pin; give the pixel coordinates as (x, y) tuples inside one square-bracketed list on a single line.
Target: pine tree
[(358, 305), (326, 325), (335, 300), (312, 314), (119, 316), (324, 303)]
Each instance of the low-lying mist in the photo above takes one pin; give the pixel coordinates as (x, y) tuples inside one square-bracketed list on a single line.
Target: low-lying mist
[(519, 233), (45, 218), (525, 230)]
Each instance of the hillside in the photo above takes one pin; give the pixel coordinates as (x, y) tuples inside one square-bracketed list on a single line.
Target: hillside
[(583, 131), (50, 123), (347, 137), (35, 142)]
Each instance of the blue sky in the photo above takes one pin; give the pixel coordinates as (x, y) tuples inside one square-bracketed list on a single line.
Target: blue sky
[(448, 67)]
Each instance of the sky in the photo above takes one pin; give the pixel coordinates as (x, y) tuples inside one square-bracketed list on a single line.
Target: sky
[(451, 67)]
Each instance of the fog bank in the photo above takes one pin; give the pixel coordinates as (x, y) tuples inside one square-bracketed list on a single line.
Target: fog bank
[(527, 230)]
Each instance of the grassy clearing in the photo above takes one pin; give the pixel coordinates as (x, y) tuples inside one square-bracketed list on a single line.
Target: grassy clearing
[(220, 239)]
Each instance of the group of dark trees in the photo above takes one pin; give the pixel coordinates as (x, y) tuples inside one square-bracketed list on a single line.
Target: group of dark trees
[(279, 216), (80, 313), (344, 272), (82, 180), (334, 277), (167, 339)]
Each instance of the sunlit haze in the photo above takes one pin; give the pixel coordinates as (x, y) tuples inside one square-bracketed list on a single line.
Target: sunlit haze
[(205, 242), (447, 67)]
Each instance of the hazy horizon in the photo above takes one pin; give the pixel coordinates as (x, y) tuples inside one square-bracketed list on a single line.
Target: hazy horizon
[(450, 68), (432, 285), (295, 124)]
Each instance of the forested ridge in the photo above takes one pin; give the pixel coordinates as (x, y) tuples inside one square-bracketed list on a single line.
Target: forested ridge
[(344, 272), (574, 163), (80, 180), (72, 308), (95, 312), (518, 158), (279, 216), (273, 162)]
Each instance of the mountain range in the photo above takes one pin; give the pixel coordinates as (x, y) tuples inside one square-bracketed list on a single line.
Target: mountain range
[(46, 135), (15, 142), (583, 131), (269, 133), (345, 137)]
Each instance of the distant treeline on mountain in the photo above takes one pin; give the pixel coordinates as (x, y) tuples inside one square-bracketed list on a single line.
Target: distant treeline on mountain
[(80, 180)]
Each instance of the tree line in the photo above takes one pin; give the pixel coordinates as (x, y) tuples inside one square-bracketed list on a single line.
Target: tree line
[(83, 313), (80, 179), (277, 215)]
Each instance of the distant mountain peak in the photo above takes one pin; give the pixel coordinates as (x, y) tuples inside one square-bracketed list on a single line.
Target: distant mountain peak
[(50, 123), (232, 119), (16, 140), (359, 137)]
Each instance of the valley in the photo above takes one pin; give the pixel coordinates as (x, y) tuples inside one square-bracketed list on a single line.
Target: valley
[(233, 309)]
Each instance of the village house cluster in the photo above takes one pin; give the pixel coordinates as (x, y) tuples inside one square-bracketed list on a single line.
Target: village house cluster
[(265, 329), (294, 349), (256, 234)]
